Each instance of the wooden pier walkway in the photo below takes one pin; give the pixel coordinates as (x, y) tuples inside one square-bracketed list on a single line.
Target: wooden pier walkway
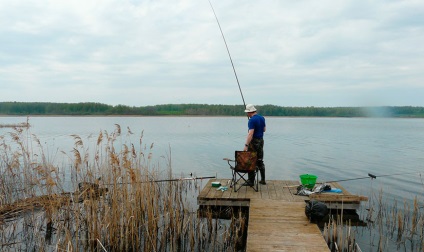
[(277, 220), (276, 225)]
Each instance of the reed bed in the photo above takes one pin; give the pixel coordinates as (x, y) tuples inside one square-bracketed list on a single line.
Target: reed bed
[(398, 225), (102, 197), (395, 226), (340, 236)]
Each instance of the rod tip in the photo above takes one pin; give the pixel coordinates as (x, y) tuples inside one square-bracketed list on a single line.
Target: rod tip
[(372, 176)]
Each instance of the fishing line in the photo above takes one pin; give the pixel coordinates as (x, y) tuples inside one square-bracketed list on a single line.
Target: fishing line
[(229, 55)]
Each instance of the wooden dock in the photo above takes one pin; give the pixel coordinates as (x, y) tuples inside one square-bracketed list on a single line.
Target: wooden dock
[(276, 225), (277, 220)]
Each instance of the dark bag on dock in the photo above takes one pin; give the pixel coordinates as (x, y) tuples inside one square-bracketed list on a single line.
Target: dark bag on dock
[(316, 210)]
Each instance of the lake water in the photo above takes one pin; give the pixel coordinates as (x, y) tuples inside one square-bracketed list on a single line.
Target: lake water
[(331, 148)]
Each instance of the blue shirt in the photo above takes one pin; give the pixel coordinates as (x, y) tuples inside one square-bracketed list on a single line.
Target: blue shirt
[(257, 123)]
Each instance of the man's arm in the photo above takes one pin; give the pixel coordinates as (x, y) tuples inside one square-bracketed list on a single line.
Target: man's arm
[(249, 138)]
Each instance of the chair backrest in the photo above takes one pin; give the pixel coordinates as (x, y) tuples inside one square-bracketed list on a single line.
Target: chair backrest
[(245, 161)]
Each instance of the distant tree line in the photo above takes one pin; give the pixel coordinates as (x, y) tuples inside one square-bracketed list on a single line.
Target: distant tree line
[(91, 108)]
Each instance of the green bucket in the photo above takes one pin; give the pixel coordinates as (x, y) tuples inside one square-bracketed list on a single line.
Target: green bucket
[(308, 180)]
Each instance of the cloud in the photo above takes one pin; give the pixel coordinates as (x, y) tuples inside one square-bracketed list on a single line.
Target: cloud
[(303, 53)]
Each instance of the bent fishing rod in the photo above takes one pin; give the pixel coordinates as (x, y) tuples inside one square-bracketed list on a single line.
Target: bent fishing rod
[(229, 55)]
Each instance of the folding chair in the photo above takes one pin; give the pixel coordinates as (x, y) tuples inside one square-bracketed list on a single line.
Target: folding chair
[(245, 162)]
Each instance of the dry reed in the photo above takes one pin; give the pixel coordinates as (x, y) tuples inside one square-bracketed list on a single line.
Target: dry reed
[(390, 227), (134, 213)]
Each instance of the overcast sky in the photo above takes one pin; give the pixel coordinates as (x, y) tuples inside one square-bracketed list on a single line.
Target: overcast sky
[(285, 52)]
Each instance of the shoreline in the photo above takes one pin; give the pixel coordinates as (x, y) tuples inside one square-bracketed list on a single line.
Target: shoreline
[(211, 116)]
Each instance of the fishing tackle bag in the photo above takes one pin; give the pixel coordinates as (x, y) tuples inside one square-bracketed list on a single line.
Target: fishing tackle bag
[(316, 210)]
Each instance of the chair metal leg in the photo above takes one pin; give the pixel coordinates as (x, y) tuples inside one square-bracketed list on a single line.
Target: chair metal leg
[(241, 178), (254, 186), (257, 180), (234, 180)]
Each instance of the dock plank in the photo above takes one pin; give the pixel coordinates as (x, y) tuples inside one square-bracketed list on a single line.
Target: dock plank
[(276, 225), (264, 191), (277, 220), (204, 193), (338, 197)]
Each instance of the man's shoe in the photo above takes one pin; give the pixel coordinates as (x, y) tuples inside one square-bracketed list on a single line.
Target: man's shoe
[(262, 182)]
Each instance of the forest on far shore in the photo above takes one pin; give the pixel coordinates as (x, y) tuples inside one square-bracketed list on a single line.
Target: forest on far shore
[(99, 109)]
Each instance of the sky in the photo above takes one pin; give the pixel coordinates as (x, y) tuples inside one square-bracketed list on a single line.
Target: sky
[(142, 52)]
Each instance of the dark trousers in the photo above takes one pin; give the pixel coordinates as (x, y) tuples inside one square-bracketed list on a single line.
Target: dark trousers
[(257, 145)]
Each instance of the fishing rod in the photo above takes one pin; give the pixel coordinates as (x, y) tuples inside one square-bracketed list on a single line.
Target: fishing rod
[(229, 55), (166, 180), (180, 179), (372, 176)]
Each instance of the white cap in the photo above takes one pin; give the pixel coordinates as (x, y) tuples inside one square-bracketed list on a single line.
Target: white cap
[(250, 108)]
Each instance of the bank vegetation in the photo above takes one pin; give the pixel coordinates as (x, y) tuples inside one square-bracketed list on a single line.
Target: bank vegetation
[(91, 108)]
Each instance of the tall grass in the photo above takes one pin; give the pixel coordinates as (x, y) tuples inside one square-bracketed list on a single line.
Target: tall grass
[(112, 202)]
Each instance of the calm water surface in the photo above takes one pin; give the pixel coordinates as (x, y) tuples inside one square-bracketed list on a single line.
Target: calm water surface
[(331, 148)]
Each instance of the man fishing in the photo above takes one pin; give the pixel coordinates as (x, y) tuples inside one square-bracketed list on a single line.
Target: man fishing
[(255, 142), (257, 127)]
